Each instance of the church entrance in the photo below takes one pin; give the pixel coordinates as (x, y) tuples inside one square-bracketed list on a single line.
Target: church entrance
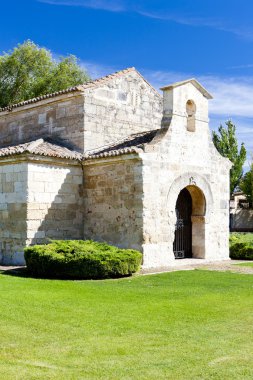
[(182, 245)]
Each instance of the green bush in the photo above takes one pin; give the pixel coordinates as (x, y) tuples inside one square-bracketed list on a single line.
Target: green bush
[(241, 246), (78, 259), (241, 251)]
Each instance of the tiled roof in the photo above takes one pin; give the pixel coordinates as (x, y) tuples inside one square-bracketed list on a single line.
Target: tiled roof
[(132, 144), (80, 88), (42, 97), (41, 148), (112, 153)]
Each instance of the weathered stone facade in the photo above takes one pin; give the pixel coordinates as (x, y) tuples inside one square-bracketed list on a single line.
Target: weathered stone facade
[(113, 201), (120, 176), (90, 116), (241, 215), (13, 211)]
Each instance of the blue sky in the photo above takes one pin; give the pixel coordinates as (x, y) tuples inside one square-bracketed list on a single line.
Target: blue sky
[(166, 40)]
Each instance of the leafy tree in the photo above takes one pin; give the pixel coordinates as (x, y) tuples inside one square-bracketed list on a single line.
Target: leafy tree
[(226, 143), (29, 71), (246, 185)]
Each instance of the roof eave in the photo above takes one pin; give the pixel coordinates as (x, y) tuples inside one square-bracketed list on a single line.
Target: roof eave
[(194, 82)]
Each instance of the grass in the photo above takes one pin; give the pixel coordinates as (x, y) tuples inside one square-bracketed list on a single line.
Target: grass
[(246, 264), (180, 325)]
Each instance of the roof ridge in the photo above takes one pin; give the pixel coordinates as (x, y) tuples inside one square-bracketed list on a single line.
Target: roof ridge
[(79, 87), (34, 144), (113, 153), (107, 77), (40, 147)]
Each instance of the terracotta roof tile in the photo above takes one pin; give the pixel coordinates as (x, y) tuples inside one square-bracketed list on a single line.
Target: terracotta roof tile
[(132, 144), (80, 88), (112, 153), (41, 148)]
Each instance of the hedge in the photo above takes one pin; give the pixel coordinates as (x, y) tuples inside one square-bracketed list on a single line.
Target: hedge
[(241, 246), (241, 251), (78, 259)]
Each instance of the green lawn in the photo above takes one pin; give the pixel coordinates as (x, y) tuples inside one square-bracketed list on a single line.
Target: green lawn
[(180, 325), (245, 264)]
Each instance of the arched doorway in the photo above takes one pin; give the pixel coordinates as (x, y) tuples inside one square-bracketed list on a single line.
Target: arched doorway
[(182, 245), (189, 239)]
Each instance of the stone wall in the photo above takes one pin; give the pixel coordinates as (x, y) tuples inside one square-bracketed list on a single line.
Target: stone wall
[(13, 210), (39, 200), (55, 201), (87, 119), (60, 118), (124, 105), (242, 220), (113, 201)]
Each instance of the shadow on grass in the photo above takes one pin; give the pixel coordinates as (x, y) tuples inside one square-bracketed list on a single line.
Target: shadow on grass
[(23, 272), (17, 272)]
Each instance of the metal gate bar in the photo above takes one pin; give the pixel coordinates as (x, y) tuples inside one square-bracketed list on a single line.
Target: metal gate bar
[(182, 245)]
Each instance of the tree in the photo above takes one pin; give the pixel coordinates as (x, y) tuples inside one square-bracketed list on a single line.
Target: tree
[(226, 143), (246, 185), (29, 71)]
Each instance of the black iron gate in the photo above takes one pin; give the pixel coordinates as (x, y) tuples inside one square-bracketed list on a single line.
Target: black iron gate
[(182, 245)]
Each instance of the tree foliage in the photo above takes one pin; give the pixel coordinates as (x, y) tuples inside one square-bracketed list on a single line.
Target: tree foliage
[(29, 71), (246, 185), (226, 143)]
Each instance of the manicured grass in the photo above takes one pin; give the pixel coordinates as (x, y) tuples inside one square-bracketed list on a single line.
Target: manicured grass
[(181, 325), (245, 264)]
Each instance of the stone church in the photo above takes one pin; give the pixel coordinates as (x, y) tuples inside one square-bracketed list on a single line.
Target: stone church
[(113, 160)]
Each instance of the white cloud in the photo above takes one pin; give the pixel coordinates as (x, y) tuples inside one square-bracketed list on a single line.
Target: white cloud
[(244, 32), (132, 6), (97, 70), (245, 66), (108, 5), (232, 97)]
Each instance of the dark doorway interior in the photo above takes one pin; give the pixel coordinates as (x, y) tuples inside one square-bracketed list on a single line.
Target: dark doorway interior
[(182, 245)]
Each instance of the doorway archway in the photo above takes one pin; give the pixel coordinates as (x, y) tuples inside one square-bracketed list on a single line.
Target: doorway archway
[(189, 237), (182, 246)]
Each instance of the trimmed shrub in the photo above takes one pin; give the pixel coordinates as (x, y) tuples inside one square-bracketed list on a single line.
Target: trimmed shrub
[(241, 251), (78, 259), (241, 246), (241, 237)]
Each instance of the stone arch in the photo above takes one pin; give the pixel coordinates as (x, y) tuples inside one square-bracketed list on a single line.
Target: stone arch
[(190, 111), (202, 208)]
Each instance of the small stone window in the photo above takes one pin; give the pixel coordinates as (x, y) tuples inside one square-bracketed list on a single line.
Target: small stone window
[(190, 111)]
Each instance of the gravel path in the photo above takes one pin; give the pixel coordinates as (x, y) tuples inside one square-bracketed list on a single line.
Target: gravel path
[(191, 264), (223, 267)]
